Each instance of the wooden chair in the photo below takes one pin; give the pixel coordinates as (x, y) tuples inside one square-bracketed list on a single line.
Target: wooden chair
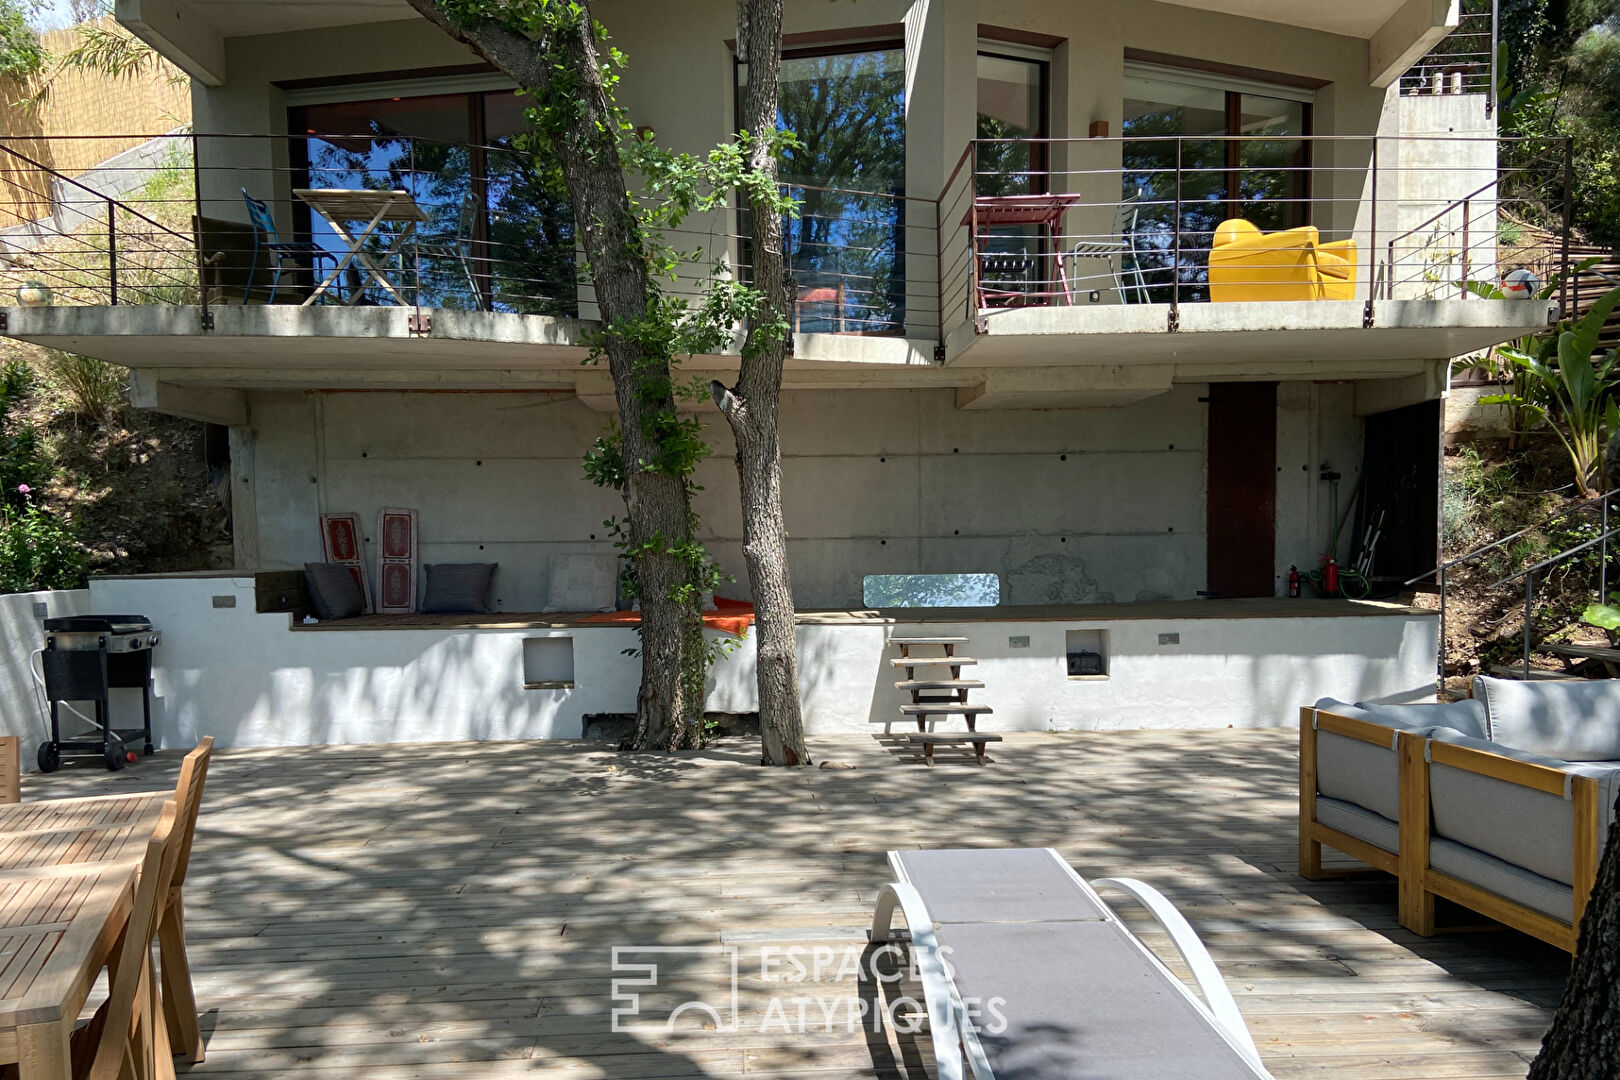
[(126, 1038), (179, 1003), (10, 769)]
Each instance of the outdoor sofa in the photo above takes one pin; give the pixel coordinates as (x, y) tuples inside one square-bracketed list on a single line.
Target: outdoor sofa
[(1500, 803)]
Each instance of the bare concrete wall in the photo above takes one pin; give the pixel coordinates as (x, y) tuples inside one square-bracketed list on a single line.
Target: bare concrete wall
[(1066, 505)]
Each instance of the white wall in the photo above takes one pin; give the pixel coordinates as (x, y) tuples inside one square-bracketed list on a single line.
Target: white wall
[(1066, 505), (249, 680), (21, 634)]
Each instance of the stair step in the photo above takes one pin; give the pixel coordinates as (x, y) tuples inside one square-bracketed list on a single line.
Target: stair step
[(951, 737), (939, 684), (1584, 652), (931, 661), (928, 641), (1516, 671), (941, 708)]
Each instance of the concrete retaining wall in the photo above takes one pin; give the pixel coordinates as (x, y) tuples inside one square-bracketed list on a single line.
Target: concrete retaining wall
[(251, 681), (21, 617)]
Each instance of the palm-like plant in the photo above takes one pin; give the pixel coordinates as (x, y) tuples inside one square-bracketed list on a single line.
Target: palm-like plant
[(1563, 386)]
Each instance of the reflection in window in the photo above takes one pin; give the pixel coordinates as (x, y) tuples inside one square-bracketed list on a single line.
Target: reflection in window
[(930, 590), (846, 249), (1012, 105), (499, 233), (1263, 180)]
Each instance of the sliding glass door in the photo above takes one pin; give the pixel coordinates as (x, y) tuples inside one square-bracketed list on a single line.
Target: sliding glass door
[(1242, 154), (499, 231), (846, 248)]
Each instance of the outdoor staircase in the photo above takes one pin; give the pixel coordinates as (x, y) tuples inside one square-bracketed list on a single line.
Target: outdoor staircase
[(939, 698)]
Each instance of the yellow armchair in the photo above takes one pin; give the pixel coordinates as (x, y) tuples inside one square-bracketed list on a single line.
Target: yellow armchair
[(1247, 264)]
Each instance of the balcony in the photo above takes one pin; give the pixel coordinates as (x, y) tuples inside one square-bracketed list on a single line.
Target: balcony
[(1046, 254), (1317, 250)]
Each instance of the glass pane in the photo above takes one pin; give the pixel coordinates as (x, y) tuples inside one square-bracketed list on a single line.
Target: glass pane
[(1012, 97), (528, 256), (930, 590), (414, 144), (846, 249), (1273, 182), (1163, 107)]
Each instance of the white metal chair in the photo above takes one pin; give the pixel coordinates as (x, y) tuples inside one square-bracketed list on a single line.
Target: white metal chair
[(1115, 249), (1044, 980)]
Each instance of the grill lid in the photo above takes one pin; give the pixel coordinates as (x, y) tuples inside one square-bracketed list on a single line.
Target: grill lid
[(98, 624)]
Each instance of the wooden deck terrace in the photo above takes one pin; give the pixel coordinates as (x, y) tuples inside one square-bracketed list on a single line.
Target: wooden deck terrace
[(451, 910)]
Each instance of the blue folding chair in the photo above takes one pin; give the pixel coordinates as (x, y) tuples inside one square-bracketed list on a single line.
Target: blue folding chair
[(265, 237)]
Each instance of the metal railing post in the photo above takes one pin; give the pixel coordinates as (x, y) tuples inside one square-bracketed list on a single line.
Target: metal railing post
[(112, 251), (1442, 659), (1372, 234), (1490, 96), (1465, 209), (197, 230), (1603, 557), (1529, 599), (1175, 256), (1569, 223)]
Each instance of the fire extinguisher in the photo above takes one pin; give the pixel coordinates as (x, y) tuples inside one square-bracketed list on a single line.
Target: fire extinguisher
[(1293, 582), (1330, 577)]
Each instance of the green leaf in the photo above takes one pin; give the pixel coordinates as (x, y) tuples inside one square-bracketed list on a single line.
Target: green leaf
[(1605, 615)]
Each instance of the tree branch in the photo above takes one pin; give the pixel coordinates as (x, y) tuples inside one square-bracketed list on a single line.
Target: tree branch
[(506, 49)]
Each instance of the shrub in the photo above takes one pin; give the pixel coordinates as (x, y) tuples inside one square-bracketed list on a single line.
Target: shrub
[(19, 443), (38, 550), (89, 388)]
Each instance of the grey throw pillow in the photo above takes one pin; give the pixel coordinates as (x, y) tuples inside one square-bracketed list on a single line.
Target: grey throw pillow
[(458, 588), (334, 592)]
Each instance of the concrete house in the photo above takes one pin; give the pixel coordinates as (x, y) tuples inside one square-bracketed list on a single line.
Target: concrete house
[(1028, 398)]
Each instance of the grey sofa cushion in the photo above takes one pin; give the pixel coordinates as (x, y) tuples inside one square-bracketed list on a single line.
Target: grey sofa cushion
[(1360, 823), (1527, 828), (1468, 717), (1575, 721), (458, 588), (1504, 879), (334, 592), (1360, 773)]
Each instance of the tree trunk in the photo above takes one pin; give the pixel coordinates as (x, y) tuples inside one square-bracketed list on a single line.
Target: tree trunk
[(753, 405), (657, 504), (1584, 1042)]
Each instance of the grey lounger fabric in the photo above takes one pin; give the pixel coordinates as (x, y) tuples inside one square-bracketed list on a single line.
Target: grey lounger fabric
[(1081, 997)]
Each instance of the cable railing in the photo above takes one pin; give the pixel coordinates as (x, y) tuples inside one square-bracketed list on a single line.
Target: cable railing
[(1463, 62), (1602, 506), (1174, 220), (1020, 224)]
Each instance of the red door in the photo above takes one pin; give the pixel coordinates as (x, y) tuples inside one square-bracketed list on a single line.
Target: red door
[(1242, 506)]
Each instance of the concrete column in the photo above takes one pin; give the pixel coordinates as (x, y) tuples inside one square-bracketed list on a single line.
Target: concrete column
[(941, 112)]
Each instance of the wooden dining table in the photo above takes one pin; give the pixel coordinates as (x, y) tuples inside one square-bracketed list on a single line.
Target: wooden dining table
[(67, 877)]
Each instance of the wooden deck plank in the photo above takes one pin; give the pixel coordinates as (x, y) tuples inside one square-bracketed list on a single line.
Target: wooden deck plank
[(449, 910)]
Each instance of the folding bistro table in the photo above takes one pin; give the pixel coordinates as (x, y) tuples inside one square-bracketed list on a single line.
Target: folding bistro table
[(1043, 211), (344, 206)]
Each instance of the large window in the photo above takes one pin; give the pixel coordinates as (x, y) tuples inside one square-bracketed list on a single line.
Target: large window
[(1263, 176), (499, 233), (847, 247)]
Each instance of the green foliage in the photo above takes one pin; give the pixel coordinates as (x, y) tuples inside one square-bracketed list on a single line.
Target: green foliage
[(20, 451), (90, 389), (1472, 493), (21, 55), (1606, 616), (38, 550)]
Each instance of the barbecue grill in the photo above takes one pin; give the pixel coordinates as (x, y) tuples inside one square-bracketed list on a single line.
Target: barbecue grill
[(85, 658)]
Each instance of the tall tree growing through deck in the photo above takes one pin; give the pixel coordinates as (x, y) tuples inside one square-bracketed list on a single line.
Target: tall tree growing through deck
[(550, 49), (554, 50), (752, 406), (1584, 1041)]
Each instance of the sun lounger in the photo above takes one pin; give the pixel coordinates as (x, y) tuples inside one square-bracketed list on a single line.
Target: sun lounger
[(1029, 975)]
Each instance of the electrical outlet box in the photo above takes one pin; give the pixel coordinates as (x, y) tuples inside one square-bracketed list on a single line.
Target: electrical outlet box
[(1018, 641), (1169, 639)]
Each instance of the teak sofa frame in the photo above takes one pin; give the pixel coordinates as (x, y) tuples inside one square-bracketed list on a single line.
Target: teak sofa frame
[(1419, 882)]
